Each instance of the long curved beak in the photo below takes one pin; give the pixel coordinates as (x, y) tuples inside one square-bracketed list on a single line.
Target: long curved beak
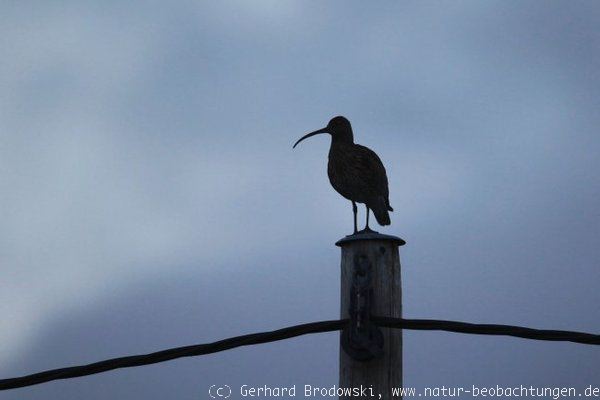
[(323, 130)]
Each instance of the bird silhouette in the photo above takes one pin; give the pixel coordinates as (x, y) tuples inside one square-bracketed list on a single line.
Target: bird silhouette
[(356, 172)]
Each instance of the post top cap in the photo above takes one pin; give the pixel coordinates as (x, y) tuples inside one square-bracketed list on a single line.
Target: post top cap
[(369, 236)]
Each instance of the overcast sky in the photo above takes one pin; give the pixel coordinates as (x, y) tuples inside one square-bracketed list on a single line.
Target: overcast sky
[(150, 197)]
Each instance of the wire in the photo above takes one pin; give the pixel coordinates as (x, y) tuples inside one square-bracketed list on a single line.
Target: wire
[(290, 332), (171, 354), (487, 329)]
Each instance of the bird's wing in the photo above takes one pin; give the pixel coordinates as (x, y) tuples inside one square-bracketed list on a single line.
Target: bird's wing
[(370, 170)]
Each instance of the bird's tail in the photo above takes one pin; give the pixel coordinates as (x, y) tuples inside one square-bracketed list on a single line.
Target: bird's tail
[(380, 209)]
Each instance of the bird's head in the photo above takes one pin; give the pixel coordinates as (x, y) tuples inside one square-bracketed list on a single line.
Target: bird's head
[(338, 127)]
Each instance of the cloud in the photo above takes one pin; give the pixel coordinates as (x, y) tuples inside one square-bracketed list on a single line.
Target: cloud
[(135, 139)]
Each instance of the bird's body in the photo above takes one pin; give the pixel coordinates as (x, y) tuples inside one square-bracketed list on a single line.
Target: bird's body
[(356, 172)]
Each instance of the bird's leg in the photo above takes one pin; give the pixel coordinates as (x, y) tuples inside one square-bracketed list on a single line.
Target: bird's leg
[(355, 211), (367, 229)]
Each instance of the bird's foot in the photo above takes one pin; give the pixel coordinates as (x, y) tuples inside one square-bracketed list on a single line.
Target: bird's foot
[(366, 230)]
